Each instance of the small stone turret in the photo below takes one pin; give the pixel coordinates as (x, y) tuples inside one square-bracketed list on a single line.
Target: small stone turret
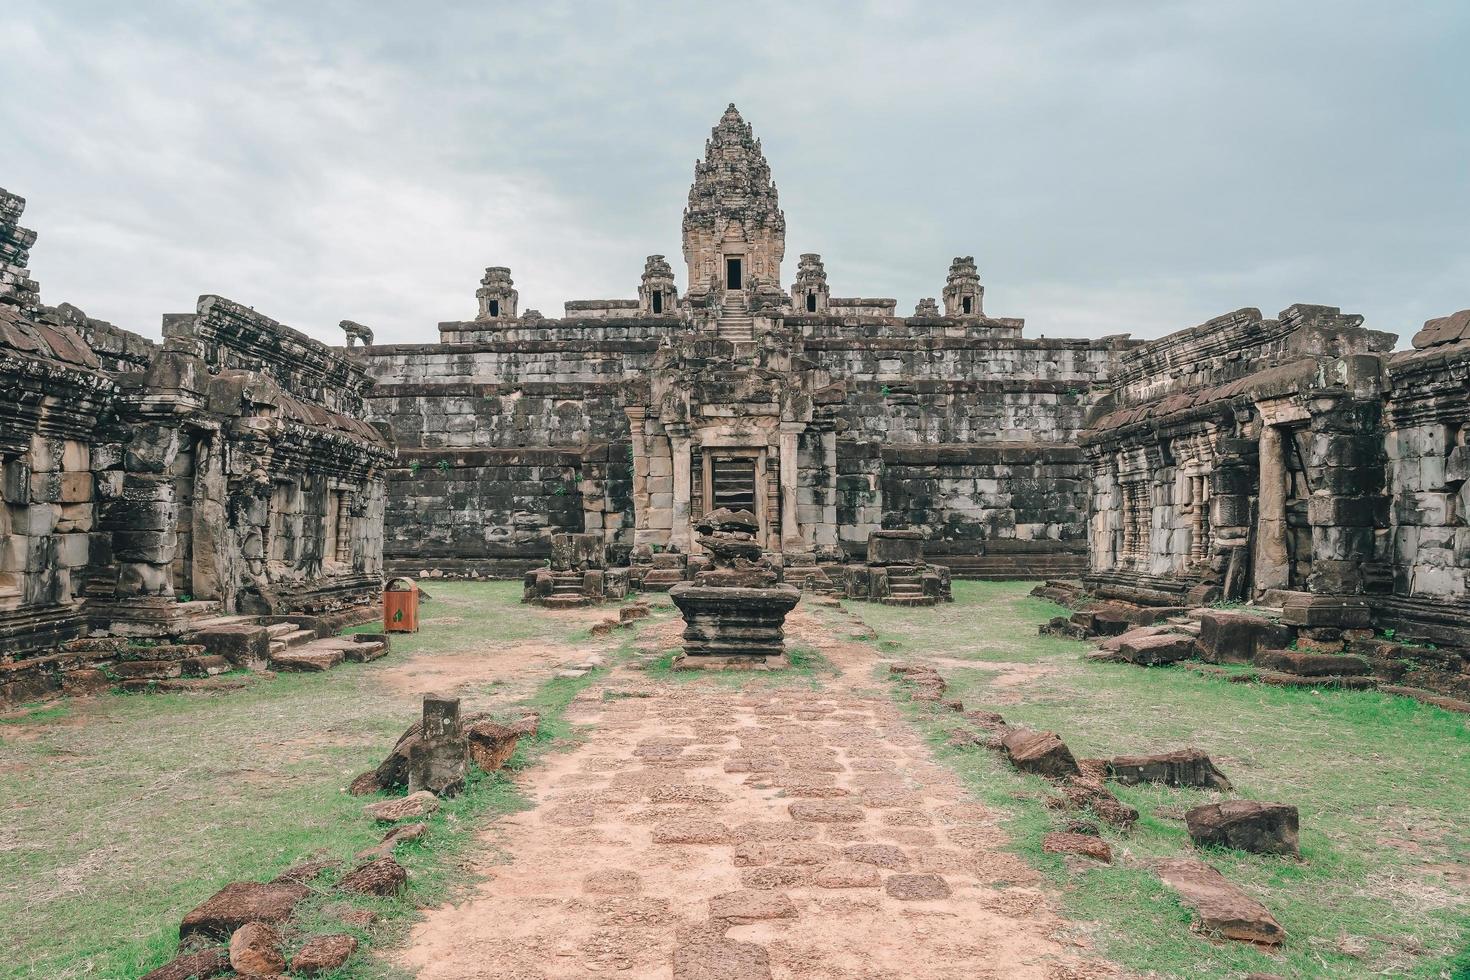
[(927, 307), (497, 295), (963, 294), (809, 293), (657, 295), (356, 332), (16, 284)]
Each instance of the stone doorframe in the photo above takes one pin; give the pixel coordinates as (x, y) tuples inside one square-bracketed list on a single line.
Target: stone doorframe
[(1272, 569)]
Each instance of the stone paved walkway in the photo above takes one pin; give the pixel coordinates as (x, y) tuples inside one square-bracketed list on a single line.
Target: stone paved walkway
[(706, 831)]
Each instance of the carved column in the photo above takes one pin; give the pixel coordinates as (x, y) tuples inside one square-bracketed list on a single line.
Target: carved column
[(1272, 571), (679, 532), (790, 526)]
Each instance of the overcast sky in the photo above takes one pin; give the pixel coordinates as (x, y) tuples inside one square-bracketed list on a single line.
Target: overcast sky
[(1113, 167)]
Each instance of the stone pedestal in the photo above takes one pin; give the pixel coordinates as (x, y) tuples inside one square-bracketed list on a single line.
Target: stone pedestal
[(439, 761), (732, 626)]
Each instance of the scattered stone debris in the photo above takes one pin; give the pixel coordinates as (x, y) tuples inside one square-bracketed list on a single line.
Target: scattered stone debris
[(322, 954), (397, 835), (255, 950), (238, 903), (1085, 845), (417, 804), (1041, 753), (382, 876), (1220, 907), (1181, 767), (1261, 828), (201, 965), (306, 871)]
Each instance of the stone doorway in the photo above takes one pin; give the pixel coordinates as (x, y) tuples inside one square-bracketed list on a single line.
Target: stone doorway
[(734, 278)]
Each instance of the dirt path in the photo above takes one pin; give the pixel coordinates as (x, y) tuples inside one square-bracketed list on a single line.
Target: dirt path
[(706, 831)]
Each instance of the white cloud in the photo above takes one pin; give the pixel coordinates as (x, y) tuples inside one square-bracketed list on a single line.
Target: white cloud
[(1112, 168)]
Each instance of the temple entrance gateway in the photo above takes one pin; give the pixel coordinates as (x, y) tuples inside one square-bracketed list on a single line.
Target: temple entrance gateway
[(733, 277)]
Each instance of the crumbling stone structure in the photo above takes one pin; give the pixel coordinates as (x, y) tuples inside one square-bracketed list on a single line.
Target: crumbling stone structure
[(1297, 464), (149, 489), (734, 608), (826, 417), (577, 574), (896, 573)]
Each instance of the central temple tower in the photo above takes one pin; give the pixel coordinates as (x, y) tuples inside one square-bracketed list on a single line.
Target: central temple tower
[(734, 231)]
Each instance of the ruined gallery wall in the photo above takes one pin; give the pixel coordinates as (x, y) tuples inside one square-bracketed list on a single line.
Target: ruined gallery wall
[(1244, 455), (226, 469), (1427, 429)]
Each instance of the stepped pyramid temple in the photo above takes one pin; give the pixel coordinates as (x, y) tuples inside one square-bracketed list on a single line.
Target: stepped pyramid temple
[(240, 477)]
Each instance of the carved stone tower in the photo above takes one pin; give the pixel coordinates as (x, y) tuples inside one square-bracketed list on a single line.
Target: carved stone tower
[(657, 295), (963, 294), (497, 295), (734, 230), (809, 294)]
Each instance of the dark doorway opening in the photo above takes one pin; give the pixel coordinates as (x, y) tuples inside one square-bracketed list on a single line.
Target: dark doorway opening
[(811, 302), (658, 301), (732, 480), (732, 274), (495, 307), (966, 304)]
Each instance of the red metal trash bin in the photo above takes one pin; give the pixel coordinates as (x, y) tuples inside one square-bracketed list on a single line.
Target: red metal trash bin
[(401, 606)]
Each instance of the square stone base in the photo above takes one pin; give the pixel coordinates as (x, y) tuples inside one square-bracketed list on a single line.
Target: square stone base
[(718, 662)]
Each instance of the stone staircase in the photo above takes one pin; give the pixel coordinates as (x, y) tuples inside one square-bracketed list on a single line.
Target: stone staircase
[(906, 588), (736, 323), (566, 591)]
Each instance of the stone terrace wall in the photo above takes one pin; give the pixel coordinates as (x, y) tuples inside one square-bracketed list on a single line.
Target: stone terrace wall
[(522, 386)]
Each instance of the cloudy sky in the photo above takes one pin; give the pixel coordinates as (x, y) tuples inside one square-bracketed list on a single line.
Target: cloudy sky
[(1122, 167)]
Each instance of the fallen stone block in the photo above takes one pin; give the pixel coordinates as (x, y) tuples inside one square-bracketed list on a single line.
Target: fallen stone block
[(1042, 753), (322, 954), (1428, 697), (304, 872), (244, 645), (1309, 664), (417, 804), (1280, 678), (1246, 825), (202, 965), (209, 665), (1090, 794), (1085, 845), (439, 760), (1112, 643), (398, 835), (1162, 648), (306, 659), (492, 744), (384, 877), (1182, 767), (631, 612), (238, 903), (148, 670), (1220, 907), (255, 951), (1235, 637)]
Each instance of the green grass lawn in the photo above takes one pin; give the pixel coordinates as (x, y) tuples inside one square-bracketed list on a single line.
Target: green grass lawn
[(119, 815), (1382, 784)]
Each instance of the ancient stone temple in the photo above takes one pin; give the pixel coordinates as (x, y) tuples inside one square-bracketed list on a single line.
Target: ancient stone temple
[(151, 490), (826, 417)]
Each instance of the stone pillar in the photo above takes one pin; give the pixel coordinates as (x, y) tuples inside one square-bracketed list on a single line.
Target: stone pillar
[(1272, 571), (636, 415), (439, 761), (790, 527), (679, 532)]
